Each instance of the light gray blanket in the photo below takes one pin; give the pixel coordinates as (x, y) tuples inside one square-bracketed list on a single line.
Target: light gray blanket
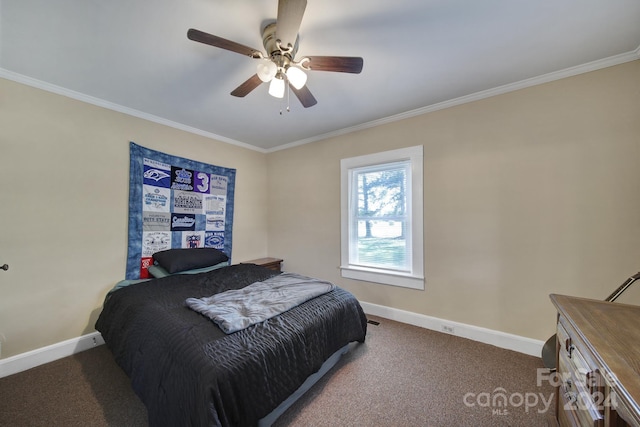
[(238, 309)]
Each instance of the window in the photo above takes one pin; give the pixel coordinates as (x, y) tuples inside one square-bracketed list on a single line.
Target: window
[(382, 218)]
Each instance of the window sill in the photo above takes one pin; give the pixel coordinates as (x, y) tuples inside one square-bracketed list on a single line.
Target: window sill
[(384, 277)]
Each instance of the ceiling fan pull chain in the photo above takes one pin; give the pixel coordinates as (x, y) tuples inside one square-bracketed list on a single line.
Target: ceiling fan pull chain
[(288, 93)]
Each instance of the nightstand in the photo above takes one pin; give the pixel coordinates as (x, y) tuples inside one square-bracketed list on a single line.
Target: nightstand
[(270, 263)]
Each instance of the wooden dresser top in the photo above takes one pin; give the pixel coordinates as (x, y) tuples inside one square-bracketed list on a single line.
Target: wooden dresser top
[(611, 332)]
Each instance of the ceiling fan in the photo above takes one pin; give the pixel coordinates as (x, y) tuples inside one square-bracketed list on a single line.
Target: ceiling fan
[(279, 66)]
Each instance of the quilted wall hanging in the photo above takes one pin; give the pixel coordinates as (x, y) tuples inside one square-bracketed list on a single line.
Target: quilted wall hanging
[(176, 203)]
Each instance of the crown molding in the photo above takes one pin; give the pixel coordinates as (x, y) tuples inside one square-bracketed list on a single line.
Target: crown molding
[(511, 87), (534, 81), (78, 96)]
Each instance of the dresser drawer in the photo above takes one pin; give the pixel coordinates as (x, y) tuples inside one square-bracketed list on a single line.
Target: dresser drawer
[(577, 400), (566, 418), (598, 370)]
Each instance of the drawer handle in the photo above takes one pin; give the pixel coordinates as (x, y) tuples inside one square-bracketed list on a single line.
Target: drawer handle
[(571, 397)]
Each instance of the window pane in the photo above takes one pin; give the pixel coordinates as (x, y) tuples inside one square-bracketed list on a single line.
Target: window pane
[(381, 244), (381, 217), (382, 192), (381, 222)]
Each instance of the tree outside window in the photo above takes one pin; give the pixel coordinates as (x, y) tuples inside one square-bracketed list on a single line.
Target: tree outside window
[(382, 218)]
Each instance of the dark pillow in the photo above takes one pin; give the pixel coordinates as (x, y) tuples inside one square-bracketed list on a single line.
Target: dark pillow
[(158, 272), (175, 260)]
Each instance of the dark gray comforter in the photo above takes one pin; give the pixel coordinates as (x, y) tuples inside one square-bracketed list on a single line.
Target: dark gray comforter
[(189, 372)]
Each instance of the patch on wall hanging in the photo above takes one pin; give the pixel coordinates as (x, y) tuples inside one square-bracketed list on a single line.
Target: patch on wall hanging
[(176, 203)]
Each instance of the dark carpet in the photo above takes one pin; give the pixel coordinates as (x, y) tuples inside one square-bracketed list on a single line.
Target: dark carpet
[(402, 376)]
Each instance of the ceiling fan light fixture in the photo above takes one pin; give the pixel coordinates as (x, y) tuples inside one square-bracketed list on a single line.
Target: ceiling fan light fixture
[(276, 87), (296, 77), (267, 70), (277, 65)]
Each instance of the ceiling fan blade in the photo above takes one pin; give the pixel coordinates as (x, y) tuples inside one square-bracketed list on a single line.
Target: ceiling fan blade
[(290, 14), (246, 87), (340, 64), (210, 39), (304, 95)]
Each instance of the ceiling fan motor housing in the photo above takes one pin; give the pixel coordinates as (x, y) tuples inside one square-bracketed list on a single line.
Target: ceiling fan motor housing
[(269, 40)]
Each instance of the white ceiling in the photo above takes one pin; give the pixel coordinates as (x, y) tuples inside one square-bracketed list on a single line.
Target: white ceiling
[(134, 56)]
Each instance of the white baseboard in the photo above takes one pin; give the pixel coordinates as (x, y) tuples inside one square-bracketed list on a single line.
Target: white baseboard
[(40, 356), (488, 336), (31, 359)]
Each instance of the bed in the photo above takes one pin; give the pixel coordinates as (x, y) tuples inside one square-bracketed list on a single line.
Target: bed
[(188, 371)]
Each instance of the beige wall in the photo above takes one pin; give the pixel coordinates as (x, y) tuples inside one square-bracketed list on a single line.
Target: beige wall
[(529, 193), (64, 171)]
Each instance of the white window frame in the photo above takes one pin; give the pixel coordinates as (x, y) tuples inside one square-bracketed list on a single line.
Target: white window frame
[(414, 278)]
